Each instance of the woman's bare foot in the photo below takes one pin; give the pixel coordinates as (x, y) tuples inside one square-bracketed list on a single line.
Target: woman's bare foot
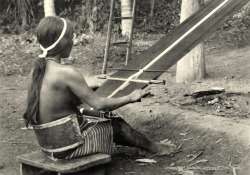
[(163, 149)]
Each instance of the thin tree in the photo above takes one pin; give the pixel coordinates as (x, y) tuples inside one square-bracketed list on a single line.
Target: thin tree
[(49, 8), (192, 66), (152, 13)]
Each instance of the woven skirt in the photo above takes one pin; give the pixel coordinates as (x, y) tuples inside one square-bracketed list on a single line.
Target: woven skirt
[(98, 138), (75, 136)]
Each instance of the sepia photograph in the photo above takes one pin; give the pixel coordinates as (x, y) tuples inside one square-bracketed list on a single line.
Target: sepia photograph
[(124, 87)]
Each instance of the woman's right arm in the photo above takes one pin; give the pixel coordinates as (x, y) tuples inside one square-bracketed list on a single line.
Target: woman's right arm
[(76, 83)]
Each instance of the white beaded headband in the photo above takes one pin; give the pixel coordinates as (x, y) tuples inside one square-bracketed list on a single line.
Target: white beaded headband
[(45, 50)]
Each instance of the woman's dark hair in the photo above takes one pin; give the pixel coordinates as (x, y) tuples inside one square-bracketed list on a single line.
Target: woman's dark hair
[(48, 31)]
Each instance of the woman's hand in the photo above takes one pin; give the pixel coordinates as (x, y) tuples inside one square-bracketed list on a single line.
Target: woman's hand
[(137, 94)]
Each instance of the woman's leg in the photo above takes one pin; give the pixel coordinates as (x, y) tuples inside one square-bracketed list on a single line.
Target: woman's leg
[(125, 135)]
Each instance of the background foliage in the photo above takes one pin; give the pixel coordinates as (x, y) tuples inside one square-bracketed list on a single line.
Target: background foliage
[(92, 14), (236, 30), (90, 17)]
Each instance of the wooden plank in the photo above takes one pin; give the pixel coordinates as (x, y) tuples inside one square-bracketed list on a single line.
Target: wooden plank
[(40, 160), (28, 170), (172, 47)]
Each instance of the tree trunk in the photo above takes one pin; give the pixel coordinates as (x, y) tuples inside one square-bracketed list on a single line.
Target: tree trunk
[(49, 8), (126, 11), (23, 12), (152, 9), (192, 66), (24, 20)]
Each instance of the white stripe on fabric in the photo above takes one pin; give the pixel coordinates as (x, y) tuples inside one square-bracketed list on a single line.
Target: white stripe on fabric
[(98, 139), (54, 123)]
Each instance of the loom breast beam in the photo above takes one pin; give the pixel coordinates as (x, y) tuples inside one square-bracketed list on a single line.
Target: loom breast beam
[(172, 47), (133, 80)]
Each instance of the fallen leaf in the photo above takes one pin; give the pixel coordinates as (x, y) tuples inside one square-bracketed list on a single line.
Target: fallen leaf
[(146, 160), (183, 134)]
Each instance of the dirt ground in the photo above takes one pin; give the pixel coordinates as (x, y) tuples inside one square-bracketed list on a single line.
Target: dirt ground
[(213, 131)]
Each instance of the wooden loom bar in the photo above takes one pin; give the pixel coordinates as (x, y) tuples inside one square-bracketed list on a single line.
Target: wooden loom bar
[(133, 80), (120, 69)]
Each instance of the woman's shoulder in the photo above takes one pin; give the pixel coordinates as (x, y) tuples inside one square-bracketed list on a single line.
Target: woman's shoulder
[(68, 73)]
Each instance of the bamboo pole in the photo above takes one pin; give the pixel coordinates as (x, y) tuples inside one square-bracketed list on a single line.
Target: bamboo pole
[(106, 56)]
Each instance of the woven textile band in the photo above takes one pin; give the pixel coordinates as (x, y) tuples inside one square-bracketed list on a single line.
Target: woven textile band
[(45, 50), (54, 123)]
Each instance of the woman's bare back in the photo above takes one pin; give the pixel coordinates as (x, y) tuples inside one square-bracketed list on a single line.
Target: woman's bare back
[(56, 99)]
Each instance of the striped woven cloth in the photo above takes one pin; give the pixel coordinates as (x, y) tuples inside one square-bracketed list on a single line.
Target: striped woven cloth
[(98, 138)]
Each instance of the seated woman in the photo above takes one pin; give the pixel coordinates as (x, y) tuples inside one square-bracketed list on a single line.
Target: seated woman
[(56, 90)]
